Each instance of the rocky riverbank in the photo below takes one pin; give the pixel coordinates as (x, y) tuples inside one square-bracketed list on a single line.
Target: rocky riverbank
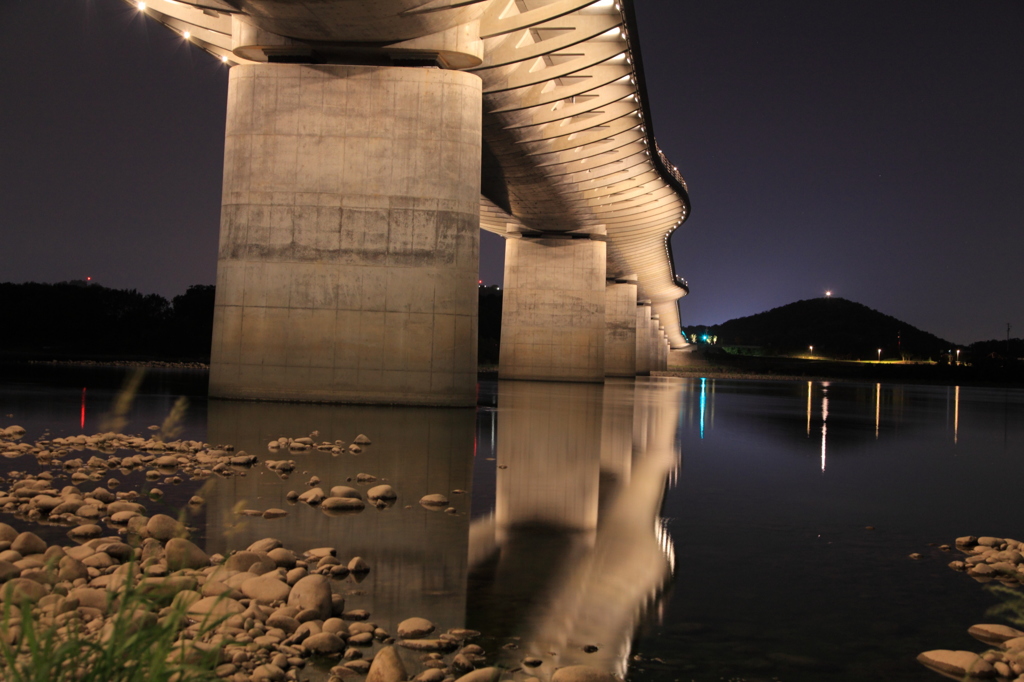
[(988, 559), (266, 613)]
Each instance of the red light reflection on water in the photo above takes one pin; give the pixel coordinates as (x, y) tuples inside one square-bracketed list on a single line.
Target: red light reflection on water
[(82, 421)]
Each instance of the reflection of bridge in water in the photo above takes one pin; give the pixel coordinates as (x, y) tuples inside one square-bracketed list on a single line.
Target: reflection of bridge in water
[(573, 553)]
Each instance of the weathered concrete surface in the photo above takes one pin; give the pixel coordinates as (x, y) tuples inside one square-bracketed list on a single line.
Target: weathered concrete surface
[(349, 236), (643, 346), (620, 329), (553, 313), (652, 340)]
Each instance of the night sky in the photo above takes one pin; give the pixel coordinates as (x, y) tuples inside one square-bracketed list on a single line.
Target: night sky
[(871, 148)]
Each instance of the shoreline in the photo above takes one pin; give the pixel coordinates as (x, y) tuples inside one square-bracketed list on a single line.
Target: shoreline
[(768, 369)]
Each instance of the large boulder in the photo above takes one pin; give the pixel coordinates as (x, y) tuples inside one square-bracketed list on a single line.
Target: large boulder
[(956, 663), (162, 527), (325, 643), (265, 589), (180, 553), (387, 667), (28, 543), (312, 592)]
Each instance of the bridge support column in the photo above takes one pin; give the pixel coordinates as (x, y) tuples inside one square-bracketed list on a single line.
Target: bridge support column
[(349, 236), (620, 328), (652, 339), (643, 346), (553, 312)]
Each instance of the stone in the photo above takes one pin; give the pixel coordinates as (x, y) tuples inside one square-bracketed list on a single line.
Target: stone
[(415, 628), (381, 492), (70, 569), (18, 590), (8, 571), (274, 513), (86, 531), (284, 558), (386, 667), (324, 643), (90, 597), (346, 491), (286, 623), (7, 533), (267, 673), (28, 543), (957, 663), (180, 553), (163, 528), (265, 589), (313, 496), (216, 588), (361, 439), (342, 504), (116, 549), (312, 592), (361, 639), (247, 560), (358, 565), (265, 545), (216, 607)]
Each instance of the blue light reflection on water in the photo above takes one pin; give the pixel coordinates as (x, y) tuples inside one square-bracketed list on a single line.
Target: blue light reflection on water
[(703, 403)]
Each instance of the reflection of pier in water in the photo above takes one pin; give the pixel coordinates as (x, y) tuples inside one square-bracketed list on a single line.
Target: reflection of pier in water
[(417, 557), (573, 554)]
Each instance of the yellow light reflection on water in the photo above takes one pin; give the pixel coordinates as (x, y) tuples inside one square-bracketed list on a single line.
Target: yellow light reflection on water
[(824, 423), (878, 406), (809, 384)]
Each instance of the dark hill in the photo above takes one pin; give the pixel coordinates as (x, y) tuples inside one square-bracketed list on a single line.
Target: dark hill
[(836, 328)]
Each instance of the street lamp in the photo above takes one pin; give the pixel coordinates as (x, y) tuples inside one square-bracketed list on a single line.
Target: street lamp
[(958, 356), (811, 349), (879, 354)]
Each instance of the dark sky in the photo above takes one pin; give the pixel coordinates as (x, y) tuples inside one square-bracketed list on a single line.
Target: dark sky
[(874, 148)]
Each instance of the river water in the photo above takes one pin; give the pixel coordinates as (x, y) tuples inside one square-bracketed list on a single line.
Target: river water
[(662, 529)]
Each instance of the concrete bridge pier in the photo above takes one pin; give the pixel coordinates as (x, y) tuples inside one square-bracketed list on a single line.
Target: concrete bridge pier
[(652, 339), (643, 346), (662, 349), (620, 328), (553, 312), (349, 235)]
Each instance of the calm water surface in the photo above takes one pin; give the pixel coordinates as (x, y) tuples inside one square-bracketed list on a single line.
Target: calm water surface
[(688, 529)]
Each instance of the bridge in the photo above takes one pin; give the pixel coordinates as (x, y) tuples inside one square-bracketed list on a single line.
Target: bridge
[(367, 143)]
